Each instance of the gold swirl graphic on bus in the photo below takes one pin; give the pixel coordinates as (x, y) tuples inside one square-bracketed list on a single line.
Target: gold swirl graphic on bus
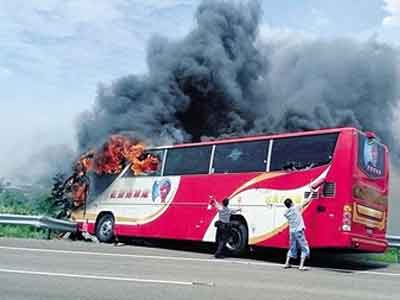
[(143, 220), (255, 180), (262, 237), (91, 217), (275, 199)]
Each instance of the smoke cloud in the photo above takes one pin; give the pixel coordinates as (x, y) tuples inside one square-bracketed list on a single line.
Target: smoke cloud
[(223, 79), (314, 84), (37, 168)]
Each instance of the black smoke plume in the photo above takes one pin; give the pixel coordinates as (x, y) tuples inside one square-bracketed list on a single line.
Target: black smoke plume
[(223, 79)]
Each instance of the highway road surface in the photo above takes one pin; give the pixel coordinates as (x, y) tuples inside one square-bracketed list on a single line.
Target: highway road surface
[(40, 270)]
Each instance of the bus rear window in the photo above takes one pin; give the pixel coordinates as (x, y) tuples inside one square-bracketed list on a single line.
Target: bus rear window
[(371, 156), (296, 153)]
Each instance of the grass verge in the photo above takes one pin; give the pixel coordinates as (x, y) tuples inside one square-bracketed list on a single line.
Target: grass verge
[(390, 256), (22, 231)]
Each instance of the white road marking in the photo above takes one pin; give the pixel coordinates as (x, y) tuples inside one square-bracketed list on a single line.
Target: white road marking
[(113, 278), (141, 256), (377, 273), (176, 258)]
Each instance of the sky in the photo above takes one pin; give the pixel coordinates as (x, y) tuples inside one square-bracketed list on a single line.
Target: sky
[(54, 53)]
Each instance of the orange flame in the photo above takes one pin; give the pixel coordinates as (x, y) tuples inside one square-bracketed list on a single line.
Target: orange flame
[(109, 160), (115, 154)]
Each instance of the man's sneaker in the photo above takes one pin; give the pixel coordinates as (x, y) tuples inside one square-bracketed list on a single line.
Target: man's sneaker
[(303, 268)]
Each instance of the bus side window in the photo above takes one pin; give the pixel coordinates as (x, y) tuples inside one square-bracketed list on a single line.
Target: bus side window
[(241, 157), (304, 152), (153, 162), (188, 160), (148, 165)]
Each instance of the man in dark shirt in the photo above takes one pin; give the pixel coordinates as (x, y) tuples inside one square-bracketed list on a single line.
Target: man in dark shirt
[(223, 225)]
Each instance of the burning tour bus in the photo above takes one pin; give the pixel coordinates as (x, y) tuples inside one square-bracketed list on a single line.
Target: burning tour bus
[(340, 177)]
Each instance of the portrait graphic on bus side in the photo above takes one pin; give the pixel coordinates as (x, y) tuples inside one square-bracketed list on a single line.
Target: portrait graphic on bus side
[(160, 190)]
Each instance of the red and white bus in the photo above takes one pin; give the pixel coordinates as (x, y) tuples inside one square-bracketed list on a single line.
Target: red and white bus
[(348, 211)]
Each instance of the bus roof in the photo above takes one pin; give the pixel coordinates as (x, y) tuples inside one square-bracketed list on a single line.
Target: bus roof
[(260, 137)]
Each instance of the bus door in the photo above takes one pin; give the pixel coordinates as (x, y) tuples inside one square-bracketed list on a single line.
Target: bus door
[(190, 167), (137, 196)]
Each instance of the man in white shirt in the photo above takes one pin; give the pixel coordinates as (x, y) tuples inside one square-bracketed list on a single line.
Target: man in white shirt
[(297, 235)]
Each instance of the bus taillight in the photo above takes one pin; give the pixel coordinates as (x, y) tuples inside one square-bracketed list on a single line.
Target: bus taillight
[(347, 216)]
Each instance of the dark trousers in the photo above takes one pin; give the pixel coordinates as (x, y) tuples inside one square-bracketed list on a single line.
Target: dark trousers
[(223, 235)]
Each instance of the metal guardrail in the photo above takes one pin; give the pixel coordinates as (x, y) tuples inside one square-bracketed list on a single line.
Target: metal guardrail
[(394, 241), (39, 222), (67, 226)]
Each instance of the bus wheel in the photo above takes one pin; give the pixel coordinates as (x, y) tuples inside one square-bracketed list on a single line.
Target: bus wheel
[(237, 244), (105, 229)]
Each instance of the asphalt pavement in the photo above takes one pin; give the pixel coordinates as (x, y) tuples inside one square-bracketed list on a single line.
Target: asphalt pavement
[(40, 270)]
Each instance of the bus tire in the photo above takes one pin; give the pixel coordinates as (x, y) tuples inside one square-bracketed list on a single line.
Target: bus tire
[(105, 228), (237, 244)]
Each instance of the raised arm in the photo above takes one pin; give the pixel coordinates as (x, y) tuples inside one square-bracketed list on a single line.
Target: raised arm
[(235, 211), (217, 205), (308, 198)]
